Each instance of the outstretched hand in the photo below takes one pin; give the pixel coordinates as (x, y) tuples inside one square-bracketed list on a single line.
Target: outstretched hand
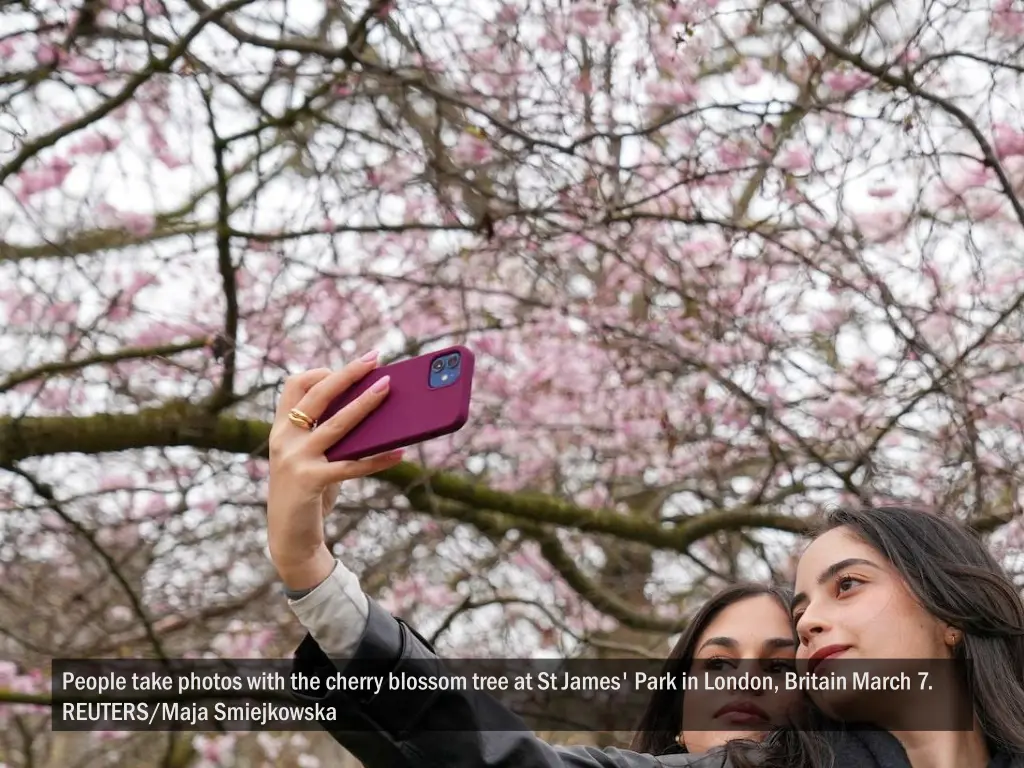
[(303, 484)]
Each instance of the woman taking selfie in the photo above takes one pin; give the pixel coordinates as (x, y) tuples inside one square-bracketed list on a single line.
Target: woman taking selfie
[(868, 574), (906, 585)]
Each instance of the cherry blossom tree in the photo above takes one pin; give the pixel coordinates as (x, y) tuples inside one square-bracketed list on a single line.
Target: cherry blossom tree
[(721, 263)]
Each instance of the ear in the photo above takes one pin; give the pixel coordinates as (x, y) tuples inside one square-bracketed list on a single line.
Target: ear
[(953, 636)]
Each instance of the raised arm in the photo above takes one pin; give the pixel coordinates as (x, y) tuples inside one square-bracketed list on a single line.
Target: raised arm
[(351, 634)]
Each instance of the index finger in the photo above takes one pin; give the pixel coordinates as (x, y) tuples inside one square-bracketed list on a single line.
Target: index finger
[(295, 387)]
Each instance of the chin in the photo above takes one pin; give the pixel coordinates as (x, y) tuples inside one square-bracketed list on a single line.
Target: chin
[(841, 705), (747, 735)]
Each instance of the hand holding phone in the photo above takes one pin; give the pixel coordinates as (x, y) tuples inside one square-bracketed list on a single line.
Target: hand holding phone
[(429, 397)]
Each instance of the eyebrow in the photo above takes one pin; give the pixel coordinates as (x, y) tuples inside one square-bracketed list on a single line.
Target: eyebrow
[(830, 573), (772, 644)]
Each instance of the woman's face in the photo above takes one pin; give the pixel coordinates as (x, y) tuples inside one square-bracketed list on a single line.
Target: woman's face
[(752, 639), (852, 604)]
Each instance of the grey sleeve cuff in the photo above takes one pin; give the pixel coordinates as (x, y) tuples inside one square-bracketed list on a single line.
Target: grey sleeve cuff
[(298, 594), (335, 612)]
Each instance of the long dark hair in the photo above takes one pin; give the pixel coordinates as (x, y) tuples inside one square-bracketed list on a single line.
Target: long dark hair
[(951, 572), (663, 717)]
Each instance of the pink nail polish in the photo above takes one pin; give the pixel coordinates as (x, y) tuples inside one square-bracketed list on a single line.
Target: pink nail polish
[(381, 384), (369, 357)]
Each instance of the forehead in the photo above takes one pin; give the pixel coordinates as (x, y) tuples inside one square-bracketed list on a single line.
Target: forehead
[(755, 618), (829, 548)]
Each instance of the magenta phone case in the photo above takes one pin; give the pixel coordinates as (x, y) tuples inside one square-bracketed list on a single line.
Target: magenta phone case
[(414, 410)]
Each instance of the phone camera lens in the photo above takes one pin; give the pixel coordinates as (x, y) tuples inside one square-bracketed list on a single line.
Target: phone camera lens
[(438, 364), (453, 361)]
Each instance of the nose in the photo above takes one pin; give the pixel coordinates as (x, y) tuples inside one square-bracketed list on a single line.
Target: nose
[(750, 667), (810, 625)]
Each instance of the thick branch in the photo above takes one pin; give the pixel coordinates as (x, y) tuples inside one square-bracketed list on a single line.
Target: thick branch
[(183, 424), (497, 526)]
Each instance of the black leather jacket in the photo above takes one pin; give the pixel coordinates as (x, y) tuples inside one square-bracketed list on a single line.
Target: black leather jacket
[(418, 730), (452, 729)]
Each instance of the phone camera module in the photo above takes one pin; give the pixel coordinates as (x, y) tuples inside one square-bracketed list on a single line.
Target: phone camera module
[(438, 364), (453, 361)]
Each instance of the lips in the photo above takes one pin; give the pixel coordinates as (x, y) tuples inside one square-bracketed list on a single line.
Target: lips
[(742, 713), (828, 652)]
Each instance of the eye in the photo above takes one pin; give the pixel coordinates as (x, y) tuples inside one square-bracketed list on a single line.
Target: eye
[(781, 665), (718, 663), (846, 583)]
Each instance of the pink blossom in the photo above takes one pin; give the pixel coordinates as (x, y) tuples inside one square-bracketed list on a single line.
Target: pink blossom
[(169, 159), (588, 16), (840, 81), (61, 312), (87, 71), (1007, 141), (733, 155), (1007, 21), (470, 150), (749, 72), (797, 160), (882, 191), (157, 142), (909, 56), (215, 750), (138, 224), (49, 54), (140, 281), (111, 735), (48, 177), (984, 206), (55, 398), (550, 42), (94, 144), (840, 407), (673, 92), (8, 672)]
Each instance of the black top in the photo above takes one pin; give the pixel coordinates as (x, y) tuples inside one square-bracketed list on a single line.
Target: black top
[(466, 729)]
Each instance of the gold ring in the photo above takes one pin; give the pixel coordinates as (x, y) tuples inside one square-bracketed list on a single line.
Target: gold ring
[(299, 419)]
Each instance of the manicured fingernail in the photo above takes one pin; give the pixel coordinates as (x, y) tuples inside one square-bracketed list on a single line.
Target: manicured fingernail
[(381, 384), (398, 454), (369, 357)]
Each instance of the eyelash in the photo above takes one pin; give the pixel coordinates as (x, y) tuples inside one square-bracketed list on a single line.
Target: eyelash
[(846, 577), (837, 584), (716, 663)]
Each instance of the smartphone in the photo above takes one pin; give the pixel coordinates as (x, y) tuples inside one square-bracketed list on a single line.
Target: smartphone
[(429, 397)]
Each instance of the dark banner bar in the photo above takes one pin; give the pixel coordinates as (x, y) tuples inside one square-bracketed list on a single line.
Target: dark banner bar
[(549, 695)]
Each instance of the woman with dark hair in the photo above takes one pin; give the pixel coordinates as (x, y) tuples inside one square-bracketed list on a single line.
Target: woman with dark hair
[(740, 626), (896, 583), (876, 584)]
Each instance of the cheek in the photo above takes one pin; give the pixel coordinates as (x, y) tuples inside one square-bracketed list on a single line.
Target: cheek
[(695, 709), (915, 636), (859, 618)]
